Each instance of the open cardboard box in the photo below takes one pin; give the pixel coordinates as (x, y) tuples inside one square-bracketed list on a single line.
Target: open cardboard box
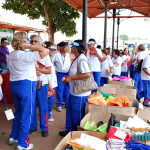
[(127, 111), (119, 82), (98, 116), (76, 134), (144, 113), (129, 93), (119, 86)]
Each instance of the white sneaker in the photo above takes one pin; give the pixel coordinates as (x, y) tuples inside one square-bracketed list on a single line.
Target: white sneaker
[(51, 120), (23, 148), (59, 109), (12, 141)]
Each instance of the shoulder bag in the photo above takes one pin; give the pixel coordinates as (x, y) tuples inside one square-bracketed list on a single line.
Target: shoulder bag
[(85, 85)]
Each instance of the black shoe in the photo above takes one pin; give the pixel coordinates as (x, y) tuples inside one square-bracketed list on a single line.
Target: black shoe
[(32, 130), (63, 133), (44, 133), (138, 99)]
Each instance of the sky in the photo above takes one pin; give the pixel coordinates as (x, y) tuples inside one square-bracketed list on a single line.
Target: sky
[(136, 27)]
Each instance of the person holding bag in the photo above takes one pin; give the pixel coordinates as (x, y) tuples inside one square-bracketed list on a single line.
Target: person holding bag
[(79, 70)]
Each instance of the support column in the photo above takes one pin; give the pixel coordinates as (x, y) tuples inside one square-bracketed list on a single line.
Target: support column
[(13, 32), (105, 23), (118, 25), (84, 22), (113, 34)]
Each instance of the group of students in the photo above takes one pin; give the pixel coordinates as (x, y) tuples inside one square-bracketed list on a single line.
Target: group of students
[(37, 70)]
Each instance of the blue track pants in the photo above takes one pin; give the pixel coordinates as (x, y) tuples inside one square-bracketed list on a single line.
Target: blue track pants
[(104, 80), (97, 77), (75, 112), (62, 91), (21, 92)]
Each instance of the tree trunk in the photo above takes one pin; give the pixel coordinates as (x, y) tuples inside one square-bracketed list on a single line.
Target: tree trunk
[(51, 28)]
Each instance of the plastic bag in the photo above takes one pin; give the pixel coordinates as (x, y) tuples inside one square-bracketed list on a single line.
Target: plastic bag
[(109, 98), (103, 128), (120, 101), (90, 125), (97, 99), (112, 121)]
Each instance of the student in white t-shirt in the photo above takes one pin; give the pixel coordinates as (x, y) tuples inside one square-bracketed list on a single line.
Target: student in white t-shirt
[(61, 60), (94, 57), (106, 68), (124, 66), (52, 82), (43, 67), (117, 61), (138, 58), (132, 63), (145, 75), (76, 104), (21, 65)]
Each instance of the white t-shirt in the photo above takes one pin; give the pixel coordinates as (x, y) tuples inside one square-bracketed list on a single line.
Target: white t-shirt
[(140, 55), (105, 65), (46, 63), (52, 77), (84, 68), (21, 65), (117, 70), (124, 68), (145, 64), (62, 64), (94, 62)]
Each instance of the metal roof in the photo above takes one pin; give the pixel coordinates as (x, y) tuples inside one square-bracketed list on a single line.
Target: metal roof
[(97, 7), (4, 25)]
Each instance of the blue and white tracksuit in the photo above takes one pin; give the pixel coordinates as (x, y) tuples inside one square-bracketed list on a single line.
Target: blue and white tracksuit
[(21, 65), (77, 102)]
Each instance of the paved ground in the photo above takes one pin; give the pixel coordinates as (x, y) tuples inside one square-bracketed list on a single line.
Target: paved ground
[(40, 143)]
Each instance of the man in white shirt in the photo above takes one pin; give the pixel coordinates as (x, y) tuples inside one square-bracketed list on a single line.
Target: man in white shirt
[(62, 64), (138, 58), (145, 75), (94, 57)]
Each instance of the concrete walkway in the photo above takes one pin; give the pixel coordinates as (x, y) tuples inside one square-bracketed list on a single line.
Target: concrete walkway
[(40, 143)]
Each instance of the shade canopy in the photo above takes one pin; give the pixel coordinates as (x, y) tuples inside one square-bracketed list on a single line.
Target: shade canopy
[(97, 7), (4, 25)]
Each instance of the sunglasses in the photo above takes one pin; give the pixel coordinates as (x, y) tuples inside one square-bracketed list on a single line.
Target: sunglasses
[(35, 41)]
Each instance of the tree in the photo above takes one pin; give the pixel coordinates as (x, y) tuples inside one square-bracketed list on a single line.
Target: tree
[(58, 15), (6, 30), (124, 37)]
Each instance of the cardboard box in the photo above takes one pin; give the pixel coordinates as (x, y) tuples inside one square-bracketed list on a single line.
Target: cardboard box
[(76, 134), (129, 93), (119, 86), (144, 113), (100, 116), (127, 111), (119, 82)]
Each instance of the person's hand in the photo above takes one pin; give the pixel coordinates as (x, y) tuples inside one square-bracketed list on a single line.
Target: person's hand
[(38, 72), (86, 49), (25, 46), (67, 79), (134, 51), (95, 53)]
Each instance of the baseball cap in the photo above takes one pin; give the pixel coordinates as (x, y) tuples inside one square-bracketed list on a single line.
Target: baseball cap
[(62, 44), (4, 40)]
